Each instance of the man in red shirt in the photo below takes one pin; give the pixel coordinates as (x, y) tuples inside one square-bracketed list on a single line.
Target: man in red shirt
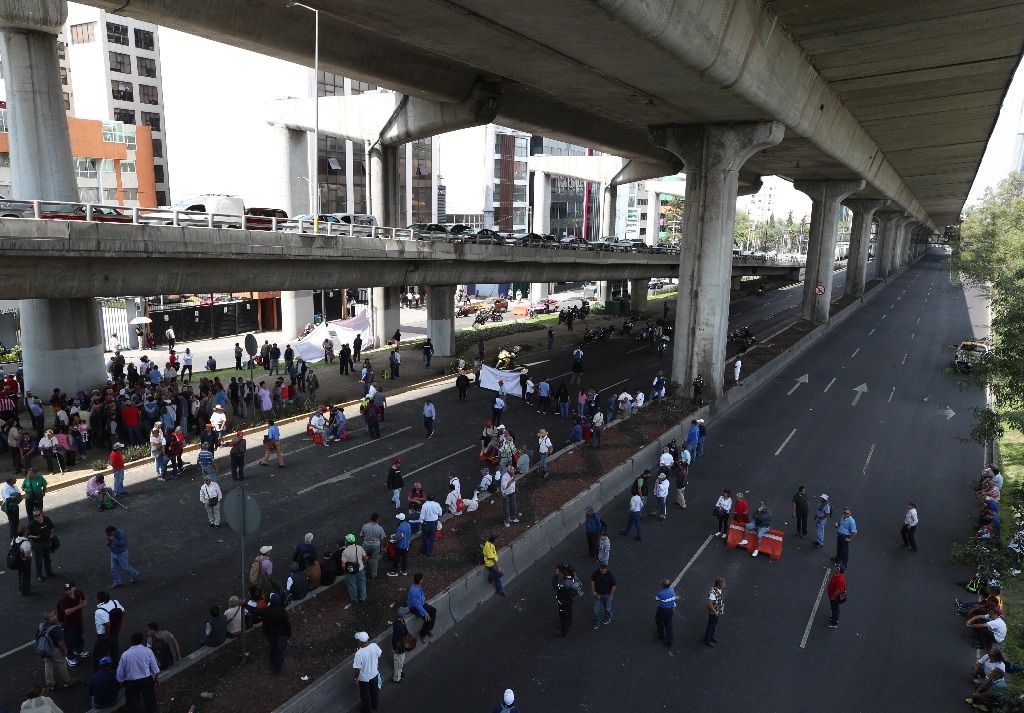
[(117, 463), (836, 592), (11, 384), (131, 417), (69, 612)]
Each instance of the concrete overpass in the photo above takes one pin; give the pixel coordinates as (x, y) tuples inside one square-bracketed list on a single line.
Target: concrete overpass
[(881, 104)]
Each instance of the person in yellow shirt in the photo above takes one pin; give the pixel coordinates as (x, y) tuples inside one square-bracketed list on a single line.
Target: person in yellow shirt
[(491, 563)]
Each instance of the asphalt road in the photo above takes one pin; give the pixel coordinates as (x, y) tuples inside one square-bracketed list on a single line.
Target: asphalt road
[(898, 646), (187, 566)]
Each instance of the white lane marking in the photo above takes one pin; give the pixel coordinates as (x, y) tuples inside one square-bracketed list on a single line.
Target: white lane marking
[(688, 564), (534, 363), (829, 385), (814, 611), (855, 353), (362, 466), (918, 320), (893, 304), (615, 384), (349, 450), (868, 461), (883, 316), (904, 359), (785, 442), (912, 334), (443, 458), (893, 392), (14, 651), (871, 332), (636, 350)]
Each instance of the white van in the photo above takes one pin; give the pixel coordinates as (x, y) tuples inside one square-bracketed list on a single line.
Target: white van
[(222, 205), (364, 224)]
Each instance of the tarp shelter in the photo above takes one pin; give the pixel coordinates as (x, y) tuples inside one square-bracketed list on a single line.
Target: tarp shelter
[(342, 331)]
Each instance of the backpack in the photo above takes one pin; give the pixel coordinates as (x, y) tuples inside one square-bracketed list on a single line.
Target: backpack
[(256, 572), (44, 644), (576, 587), (14, 558), (162, 652), (174, 446), (116, 618)]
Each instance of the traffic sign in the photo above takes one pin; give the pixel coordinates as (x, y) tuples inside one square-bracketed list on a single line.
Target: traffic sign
[(819, 289), (241, 511), (251, 347)]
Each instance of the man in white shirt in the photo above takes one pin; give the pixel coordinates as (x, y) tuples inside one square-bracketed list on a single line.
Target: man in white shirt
[(909, 526), (661, 493), (210, 496), (317, 423), (219, 421), (430, 512), (508, 496), (636, 507), (365, 665), (186, 364), (666, 458)]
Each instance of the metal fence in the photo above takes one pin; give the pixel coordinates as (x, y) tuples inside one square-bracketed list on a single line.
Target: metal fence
[(194, 322)]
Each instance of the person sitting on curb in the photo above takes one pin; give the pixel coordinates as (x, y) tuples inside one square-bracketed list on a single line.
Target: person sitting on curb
[(762, 522)]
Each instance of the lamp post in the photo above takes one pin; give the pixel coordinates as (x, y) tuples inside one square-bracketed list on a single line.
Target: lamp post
[(314, 170)]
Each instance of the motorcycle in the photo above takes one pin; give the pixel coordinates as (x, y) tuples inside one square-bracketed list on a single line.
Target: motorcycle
[(589, 336), (507, 358), (662, 345), (462, 312), (603, 333), (627, 326), (743, 337), (481, 318), (496, 316)]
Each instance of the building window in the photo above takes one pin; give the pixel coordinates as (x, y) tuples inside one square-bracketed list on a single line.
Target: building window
[(106, 165), (122, 91), (143, 39), (129, 138), (146, 66), (64, 76), (3, 121), (519, 194), (161, 197), (158, 149), (522, 146), (127, 167), (85, 168), (158, 174), (130, 194), (520, 171), (151, 120), (120, 62), (83, 33), (148, 94), (88, 195), (61, 51), (67, 101), (117, 34), (126, 116), (110, 195), (5, 160)]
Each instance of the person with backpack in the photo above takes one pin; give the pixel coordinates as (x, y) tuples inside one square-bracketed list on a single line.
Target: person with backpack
[(11, 498), (108, 619), (51, 648), (567, 588), (117, 541), (507, 704), (163, 644), (261, 572), (19, 559)]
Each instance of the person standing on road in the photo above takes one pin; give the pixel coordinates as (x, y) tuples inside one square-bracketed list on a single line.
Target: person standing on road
[(24, 562), (736, 370), (682, 465), (373, 536), (497, 408), (116, 460), (577, 367), (491, 563), (365, 664), (722, 508), (593, 526), (70, 607), (107, 621), (909, 526), (551, 338), (636, 509), (567, 588), (237, 455), (846, 532), (402, 537), (508, 495), (692, 438), (34, 487), (821, 516), (836, 593), (430, 514), (544, 397), (399, 631), (210, 496), (138, 673), (702, 433), (117, 542), (40, 532), (661, 495), (272, 440), (395, 482), (666, 610), (428, 353), (799, 511), (716, 607), (238, 356), (353, 562), (462, 384), (602, 586), (429, 414), (11, 497), (55, 666)]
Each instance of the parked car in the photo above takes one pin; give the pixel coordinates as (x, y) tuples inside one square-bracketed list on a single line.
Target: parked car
[(639, 246), (486, 236), (223, 206), (305, 222), (622, 245), (263, 218), (363, 223), (968, 354), (458, 232), (605, 243), (70, 211), (544, 305), (12, 208), (429, 231), (655, 284), (573, 243)]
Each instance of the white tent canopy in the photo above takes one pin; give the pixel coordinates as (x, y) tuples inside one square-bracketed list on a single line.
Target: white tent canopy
[(342, 331)]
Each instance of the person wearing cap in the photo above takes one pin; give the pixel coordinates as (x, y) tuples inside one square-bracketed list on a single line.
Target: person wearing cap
[(219, 421), (210, 496), (661, 495), (365, 665), (909, 526), (266, 578), (353, 564), (508, 494), (821, 516), (760, 526), (399, 634), (205, 461), (47, 445), (836, 593), (490, 552), (544, 449), (116, 461), (104, 690), (96, 489), (508, 700), (69, 610), (846, 532), (11, 498), (401, 540), (395, 482)]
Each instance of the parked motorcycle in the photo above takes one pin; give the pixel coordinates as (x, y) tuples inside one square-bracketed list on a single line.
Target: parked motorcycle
[(481, 318), (743, 337), (496, 316), (589, 336), (627, 326), (507, 358), (462, 311)]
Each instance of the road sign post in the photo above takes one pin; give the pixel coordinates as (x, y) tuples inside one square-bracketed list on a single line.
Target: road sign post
[(242, 513)]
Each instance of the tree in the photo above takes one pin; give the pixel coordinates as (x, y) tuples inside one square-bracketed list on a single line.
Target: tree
[(742, 228), (990, 255)]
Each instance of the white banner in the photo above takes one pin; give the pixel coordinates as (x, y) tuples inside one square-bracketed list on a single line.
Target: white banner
[(489, 378), (311, 347)]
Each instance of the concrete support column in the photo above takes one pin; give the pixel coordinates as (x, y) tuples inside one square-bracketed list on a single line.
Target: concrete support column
[(609, 196), (541, 202), (604, 291), (289, 151), (713, 156), (638, 295), (539, 290), (62, 340), (385, 303), (903, 257), (653, 218), (384, 181), (884, 249), (736, 282), (860, 240), (821, 245), (297, 310), (441, 319)]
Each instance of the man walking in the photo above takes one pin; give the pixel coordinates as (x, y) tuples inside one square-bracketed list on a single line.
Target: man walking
[(138, 673), (429, 414), (909, 526), (636, 508), (846, 532), (237, 455), (799, 511), (602, 586), (821, 516), (836, 594), (117, 541), (663, 614), (716, 607), (273, 443), (365, 665), (210, 496)]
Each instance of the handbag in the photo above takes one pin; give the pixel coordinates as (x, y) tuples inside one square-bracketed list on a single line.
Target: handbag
[(841, 598), (716, 511), (213, 501), (409, 642), (54, 543), (351, 568)]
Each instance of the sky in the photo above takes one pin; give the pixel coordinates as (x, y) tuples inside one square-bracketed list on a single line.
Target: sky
[(215, 138)]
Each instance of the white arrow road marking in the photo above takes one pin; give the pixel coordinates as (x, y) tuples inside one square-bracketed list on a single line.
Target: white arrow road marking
[(950, 413), (785, 442), (802, 380), (861, 390)]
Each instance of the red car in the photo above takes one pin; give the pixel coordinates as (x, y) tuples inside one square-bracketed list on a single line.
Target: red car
[(263, 218), (100, 214)]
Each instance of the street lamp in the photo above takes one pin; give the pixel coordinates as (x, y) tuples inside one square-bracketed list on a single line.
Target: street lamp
[(314, 195)]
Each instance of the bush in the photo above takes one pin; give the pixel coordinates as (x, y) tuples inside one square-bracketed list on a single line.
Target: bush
[(10, 356)]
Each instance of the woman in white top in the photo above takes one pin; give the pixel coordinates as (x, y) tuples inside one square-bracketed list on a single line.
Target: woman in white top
[(47, 446), (530, 389), (158, 449), (722, 508)]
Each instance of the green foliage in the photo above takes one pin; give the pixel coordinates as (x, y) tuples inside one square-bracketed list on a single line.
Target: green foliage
[(742, 228), (990, 255), (10, 356)]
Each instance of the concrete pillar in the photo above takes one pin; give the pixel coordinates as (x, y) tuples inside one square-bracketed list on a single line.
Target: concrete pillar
[(62, 341), (288, 150), (736, 282), (653, 217), (441, 319), (384, 182), (385, 303), (885, 244), (821, 245), (860, 240), (903, 257), (539, 290), (541, 203), (604, 291), (638, 295), (297, 311), (713, 156), (609, 196)]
